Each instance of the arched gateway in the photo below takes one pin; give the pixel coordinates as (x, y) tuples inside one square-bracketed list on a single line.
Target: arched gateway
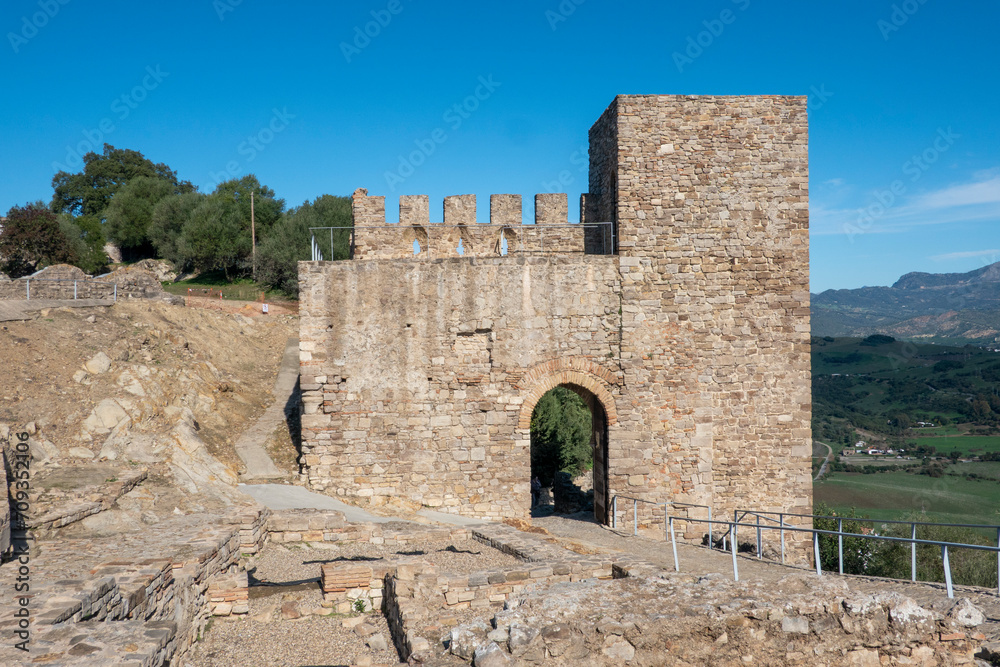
[(679, 310), (593, 383)]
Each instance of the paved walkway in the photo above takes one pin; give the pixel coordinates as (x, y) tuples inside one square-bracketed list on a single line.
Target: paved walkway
[(250, 447), (15, 309)]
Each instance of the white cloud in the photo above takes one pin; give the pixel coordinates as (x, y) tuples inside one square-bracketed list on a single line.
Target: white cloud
[(966, 194), (974, 201), (965, 254)]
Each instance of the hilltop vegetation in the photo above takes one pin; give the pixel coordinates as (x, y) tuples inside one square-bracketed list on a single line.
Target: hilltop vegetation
[(148, 212)]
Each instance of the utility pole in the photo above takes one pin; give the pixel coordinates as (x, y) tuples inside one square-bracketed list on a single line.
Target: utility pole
[(253, 238)]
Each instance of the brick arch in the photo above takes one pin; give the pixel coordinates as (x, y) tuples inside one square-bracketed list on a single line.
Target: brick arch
[(567, 371)]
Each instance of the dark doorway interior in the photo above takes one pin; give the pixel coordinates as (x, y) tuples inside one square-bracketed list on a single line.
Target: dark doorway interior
[(569, 453)]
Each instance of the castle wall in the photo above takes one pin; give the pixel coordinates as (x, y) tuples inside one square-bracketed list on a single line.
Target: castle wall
[(415, 374), (419, 376), (710, 197)]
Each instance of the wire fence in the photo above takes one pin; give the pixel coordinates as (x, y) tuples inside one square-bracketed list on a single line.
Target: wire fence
[(760, 522)]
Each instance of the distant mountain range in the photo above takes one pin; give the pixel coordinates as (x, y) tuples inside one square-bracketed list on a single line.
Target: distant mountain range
[(936, 307)]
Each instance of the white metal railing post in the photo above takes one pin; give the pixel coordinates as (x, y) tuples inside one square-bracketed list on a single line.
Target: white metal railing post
[(947, 570), (736, 520), (27, 287), (711, 545), (759, 555), (635, 517), (732, 547), (781, 522), (673, 543), (819, 566), (666, 520), (614, 512), (840, 544), (74, 290), (116, 292), (913, 552)]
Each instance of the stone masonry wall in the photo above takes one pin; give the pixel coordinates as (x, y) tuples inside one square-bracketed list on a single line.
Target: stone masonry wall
[(425, 399), (710, 197), (419, 376), (461, 236)]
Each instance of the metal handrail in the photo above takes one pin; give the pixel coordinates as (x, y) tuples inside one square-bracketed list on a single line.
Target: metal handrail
[(635, 512), (317, 254), (867, 520), (731, 534)]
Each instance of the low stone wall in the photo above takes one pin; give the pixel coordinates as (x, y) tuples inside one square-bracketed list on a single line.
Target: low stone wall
[(62, 281), (5, 527), (165, 601), (67, 514)]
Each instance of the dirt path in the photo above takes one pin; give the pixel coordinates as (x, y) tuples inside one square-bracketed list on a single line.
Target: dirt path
[(13, 310), (250, 446), (826, 461)]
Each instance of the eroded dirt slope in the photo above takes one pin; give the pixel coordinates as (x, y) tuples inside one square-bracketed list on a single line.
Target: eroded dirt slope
[(142, 384)]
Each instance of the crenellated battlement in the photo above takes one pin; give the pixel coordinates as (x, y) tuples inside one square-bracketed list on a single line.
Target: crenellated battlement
[(460, 235)]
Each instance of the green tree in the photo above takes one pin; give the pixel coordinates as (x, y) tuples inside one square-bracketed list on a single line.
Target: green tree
[(561, 426), (288, 241), (86, 237), (217, 235), (31, 239), (89, 191), (981, 409), (861, 555), (213, 238), (167, 225), (130, 213)]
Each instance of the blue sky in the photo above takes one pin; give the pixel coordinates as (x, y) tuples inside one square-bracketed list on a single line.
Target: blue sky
[(904, 138)]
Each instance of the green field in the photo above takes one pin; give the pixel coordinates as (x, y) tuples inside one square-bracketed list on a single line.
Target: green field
[(967, 444), (895, 495)]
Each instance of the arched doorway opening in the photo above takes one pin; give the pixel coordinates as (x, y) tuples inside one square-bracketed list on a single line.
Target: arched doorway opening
[(569, 454)]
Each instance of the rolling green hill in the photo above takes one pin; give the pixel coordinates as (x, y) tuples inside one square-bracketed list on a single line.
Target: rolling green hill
[(884, 387)]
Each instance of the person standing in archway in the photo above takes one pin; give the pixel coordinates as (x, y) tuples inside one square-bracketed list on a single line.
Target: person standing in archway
[(536, 491)]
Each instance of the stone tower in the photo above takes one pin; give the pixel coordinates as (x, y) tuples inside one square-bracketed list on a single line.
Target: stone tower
[(679, 312)]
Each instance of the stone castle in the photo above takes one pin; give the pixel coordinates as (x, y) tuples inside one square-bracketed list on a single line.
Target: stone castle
[(679, 310)]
